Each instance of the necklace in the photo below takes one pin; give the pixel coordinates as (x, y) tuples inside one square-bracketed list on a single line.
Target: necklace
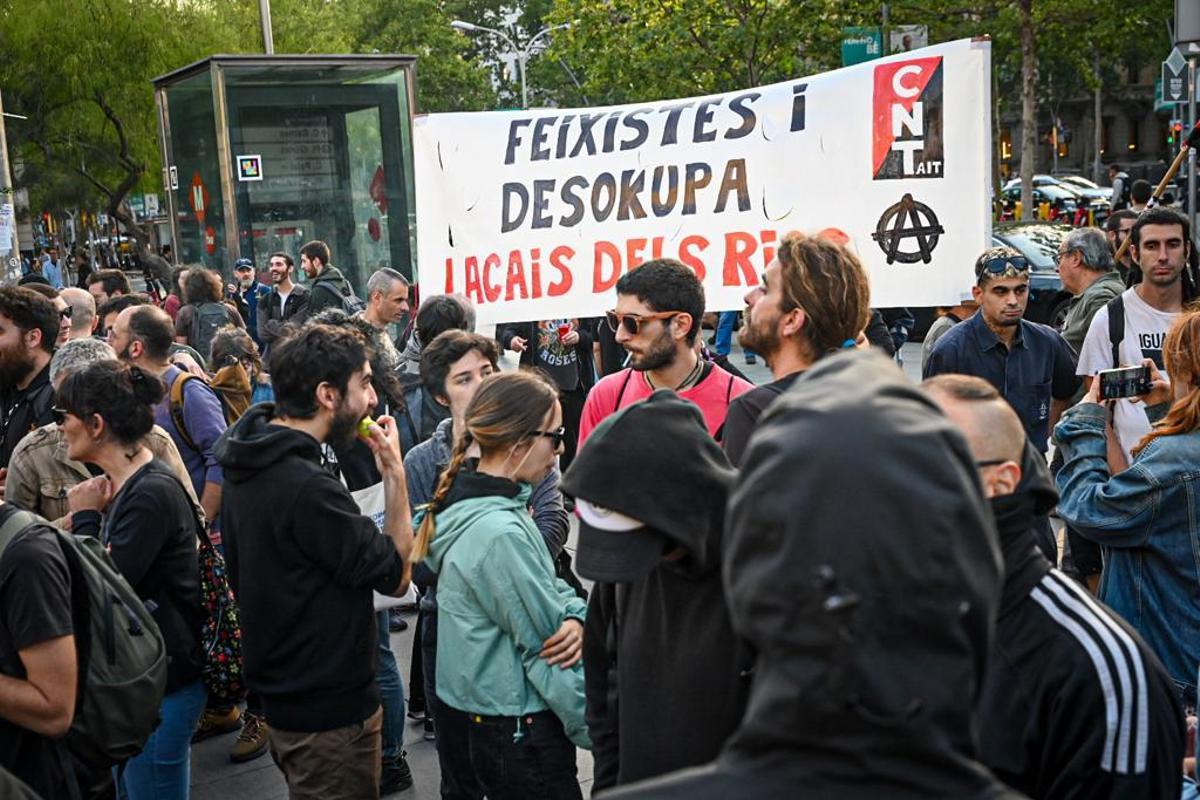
[(688, 380)]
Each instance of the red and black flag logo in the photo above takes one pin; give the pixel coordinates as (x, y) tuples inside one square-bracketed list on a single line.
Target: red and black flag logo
[(908, 120)]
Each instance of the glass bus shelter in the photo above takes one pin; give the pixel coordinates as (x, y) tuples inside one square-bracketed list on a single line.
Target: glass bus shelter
[(264, 153)]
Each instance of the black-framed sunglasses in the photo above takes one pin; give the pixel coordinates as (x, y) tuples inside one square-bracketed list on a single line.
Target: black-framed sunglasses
[(66, 312), (557, 437), (991, 462), (1002, 264), (59, 415), (632, 323)]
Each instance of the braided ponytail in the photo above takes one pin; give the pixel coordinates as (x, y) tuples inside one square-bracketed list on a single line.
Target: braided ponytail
[(428, 527)]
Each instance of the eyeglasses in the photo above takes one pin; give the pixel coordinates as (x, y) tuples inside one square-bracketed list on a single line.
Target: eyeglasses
[(991, 462), (557, 437), (66, 312), (632, 323), (1002, 264), (59, 415)]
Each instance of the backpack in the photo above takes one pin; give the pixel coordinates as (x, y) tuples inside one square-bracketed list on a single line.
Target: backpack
[(123, 663), (175, 407), (206, 319), (1116, 327), (350, 303)]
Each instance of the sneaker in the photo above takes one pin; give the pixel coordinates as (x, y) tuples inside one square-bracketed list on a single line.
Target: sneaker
[(416, 710), (396, 621), (395, 776), (216, 722), (252, 741), (430, 731)]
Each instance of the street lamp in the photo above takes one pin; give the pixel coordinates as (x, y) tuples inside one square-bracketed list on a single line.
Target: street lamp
[(522, 54)]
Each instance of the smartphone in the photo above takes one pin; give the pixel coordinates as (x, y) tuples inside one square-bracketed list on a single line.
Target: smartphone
[(1124, 382)]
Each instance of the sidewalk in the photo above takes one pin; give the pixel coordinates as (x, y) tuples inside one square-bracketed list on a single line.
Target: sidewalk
[(214, 777)]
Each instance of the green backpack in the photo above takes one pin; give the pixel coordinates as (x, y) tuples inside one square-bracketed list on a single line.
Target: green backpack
[(122, 657)]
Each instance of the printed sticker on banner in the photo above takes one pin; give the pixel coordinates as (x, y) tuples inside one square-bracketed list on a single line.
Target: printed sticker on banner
[(907, 141)]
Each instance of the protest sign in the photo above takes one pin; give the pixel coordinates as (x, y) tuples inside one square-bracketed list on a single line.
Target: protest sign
[(536, 214)]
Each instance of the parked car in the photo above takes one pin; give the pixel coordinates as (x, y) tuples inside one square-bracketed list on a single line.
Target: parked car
[(1038, 242), (1063, 202), (1094, 189)]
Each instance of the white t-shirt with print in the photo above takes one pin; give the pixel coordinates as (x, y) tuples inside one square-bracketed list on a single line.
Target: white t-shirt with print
[(1145, 329)]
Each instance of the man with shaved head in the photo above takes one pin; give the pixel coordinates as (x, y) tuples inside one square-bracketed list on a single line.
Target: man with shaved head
[(83, 311), (1075, 703)]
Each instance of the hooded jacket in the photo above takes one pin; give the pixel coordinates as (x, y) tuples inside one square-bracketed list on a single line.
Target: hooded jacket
[(498, 600), (661, 661), (1075, 704), (302, 561), (872, 636), (320, 298)]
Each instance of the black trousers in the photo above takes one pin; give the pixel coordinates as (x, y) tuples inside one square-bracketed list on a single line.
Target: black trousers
[(520, 758), (572, 411)]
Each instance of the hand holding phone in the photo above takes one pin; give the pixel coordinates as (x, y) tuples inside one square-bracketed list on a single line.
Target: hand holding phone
[(1124, 382)]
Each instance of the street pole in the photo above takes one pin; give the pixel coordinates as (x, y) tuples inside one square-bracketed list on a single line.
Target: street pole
[(8, 208), (1191, 167), (521, 61), (264, 10)]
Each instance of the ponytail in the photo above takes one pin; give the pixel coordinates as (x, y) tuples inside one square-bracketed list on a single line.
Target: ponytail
[(428, 527), (1182, 417)]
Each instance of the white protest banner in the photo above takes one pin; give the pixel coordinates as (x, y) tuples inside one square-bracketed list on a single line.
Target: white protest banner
[(536, 214)]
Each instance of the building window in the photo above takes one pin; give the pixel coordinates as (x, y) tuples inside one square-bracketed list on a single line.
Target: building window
[(1134, 136), (1005, 144)]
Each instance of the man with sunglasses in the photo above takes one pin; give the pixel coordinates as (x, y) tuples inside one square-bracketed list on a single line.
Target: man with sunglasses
[(657, 320), (1031, 365)]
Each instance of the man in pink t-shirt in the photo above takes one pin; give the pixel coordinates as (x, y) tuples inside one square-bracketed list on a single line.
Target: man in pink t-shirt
[(657, 320)]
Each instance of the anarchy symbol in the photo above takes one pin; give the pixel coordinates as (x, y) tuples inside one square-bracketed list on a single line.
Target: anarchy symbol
[(908, 219)]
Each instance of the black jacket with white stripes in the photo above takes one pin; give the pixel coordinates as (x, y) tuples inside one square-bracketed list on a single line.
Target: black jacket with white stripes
[(1075, 704)]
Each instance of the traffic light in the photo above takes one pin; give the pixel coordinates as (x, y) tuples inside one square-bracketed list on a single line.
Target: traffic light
[(1174, 132)]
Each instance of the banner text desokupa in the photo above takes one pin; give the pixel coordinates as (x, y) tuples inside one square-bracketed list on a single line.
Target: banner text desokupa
[(536, 214)]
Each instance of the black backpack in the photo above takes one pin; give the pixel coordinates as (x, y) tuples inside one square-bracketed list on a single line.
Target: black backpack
[(206, 319), (123, 660), (350, 303)]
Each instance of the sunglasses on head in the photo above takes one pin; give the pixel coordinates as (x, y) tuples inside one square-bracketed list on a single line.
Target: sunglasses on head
[(557, 437), (632, 323), (1002, 264)]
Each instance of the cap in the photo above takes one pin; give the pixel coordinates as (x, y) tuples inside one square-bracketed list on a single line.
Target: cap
[(633, 449), (243, 263), (614, 548)]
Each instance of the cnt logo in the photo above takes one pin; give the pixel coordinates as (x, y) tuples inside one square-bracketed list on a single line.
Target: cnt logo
[(907, 141)]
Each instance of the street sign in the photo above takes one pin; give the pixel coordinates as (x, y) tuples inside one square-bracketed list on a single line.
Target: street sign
[(903, 38), (861, 44), (1174, 78)]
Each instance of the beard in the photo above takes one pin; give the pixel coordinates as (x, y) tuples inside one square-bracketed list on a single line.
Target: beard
[(761, 339), (660, 353), (15, 366), (344, 428)]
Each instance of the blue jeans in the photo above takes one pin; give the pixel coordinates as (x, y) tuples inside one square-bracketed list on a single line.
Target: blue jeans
[(391, 691), (723, 343), (162, 771)]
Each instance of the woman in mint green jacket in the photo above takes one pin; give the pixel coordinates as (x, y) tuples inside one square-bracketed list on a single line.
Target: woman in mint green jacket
[(510, 632)]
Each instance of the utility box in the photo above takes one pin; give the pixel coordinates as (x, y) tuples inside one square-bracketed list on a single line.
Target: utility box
[(264, 153)]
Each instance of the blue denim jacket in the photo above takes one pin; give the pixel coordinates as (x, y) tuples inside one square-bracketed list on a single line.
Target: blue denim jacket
[(1147, 518)]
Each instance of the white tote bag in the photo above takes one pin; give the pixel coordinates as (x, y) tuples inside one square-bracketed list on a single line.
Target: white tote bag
[(371, 503)]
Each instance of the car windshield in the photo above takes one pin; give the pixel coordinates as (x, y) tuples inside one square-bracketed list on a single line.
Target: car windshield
[(1038, 243), (1078, 180)]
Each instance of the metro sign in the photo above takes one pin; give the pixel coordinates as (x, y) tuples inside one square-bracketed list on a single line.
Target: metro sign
[(907, 141), (199, 198)]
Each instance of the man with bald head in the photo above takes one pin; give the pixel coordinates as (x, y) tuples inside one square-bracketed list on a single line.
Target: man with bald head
[(1074, 704), (83, 311)]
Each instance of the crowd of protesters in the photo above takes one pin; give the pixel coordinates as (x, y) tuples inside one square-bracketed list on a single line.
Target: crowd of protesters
[(837, 583)]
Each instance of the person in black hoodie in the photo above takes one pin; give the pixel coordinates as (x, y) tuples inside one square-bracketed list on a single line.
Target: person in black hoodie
[(1075, 704), (871, 616), (303, 561), (661, 662), (150, 529)]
